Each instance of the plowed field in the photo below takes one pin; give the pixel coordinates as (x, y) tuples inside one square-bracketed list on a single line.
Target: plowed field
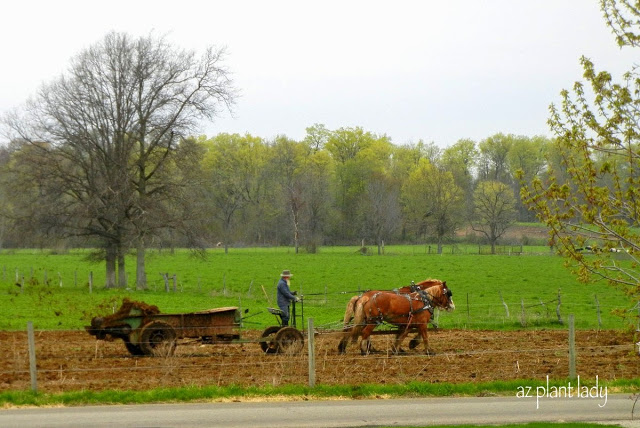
[(74, 360)]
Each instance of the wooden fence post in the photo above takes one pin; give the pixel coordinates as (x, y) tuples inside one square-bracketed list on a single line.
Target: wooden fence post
[(312, 353), (598, 311), (558, 308), (32, 357), (506, 308), (523, 315), (468, 312), (90, 282), (572, 347), (165, 276)]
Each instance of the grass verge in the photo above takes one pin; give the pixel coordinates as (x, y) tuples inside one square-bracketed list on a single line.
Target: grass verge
[(289, 393)]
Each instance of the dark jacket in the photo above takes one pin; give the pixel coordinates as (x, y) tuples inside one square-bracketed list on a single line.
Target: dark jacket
[(284, 294)]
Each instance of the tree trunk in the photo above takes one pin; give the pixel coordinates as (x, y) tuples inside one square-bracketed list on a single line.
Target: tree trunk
[(110, 266), (141, 275), (122, 273)]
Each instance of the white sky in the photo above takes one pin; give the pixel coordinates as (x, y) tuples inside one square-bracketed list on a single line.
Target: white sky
[(437, 70)]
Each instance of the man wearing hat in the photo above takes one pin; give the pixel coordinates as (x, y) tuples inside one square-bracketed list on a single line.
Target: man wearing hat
[(285, 296)]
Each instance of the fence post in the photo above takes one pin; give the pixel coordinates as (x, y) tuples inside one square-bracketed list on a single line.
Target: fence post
[(558, 308), (598, 311), (32, 357), (468, 313), (90, 282), (312, 353), (572, 347), (523, 314), (506, 308)]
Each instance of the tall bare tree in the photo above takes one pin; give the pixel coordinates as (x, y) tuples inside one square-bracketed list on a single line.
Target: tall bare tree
[(494, 210), (103, 136)]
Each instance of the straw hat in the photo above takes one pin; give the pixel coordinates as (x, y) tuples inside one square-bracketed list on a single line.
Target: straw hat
[(286, 273)]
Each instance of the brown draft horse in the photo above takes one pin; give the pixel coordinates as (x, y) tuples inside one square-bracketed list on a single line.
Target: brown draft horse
[(407, 311), (357, 301), (360, 299)]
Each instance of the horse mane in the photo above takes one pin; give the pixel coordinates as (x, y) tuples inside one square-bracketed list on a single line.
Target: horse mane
[(430, 280)]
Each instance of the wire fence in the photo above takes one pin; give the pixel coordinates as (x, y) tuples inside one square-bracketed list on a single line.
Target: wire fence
[(72, 360)]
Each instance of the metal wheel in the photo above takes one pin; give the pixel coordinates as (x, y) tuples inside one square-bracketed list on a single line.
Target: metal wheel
[(133, 348), (157, 339), (270, 346), (289, 340)]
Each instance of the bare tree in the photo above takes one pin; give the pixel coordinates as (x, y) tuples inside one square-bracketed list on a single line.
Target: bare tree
[(494, 210), (102, 137), (382, 212)]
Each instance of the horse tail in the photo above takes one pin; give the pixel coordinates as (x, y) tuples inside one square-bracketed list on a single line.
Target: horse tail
[(349, 312), (359, 318)]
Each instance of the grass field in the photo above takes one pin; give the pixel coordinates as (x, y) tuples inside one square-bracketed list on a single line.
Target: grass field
[(327, 280)]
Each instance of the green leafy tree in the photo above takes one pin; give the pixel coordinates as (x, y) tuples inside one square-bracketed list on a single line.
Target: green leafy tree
[(357, 155), (493, 161), (432, 202), (461, 159), (595, 199), (527, 158), (229, 180)]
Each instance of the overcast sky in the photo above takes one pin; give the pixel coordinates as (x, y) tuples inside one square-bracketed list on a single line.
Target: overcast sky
[(433, 70)]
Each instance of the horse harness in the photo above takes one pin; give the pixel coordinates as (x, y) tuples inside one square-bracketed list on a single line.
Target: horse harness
[(421, 295)]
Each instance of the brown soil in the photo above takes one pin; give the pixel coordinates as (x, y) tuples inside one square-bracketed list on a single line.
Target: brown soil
[(74, 360)]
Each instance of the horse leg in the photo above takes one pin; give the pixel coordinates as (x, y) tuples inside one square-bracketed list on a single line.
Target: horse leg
[(365, 344), (342, 346), (402, 334), (422, 328), (413, 343)]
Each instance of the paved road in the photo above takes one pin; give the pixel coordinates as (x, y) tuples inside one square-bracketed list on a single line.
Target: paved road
[(356, 413)]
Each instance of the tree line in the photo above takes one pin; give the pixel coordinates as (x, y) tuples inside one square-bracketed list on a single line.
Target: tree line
[(106, 156)]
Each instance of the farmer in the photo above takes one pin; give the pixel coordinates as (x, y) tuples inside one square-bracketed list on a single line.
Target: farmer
[(285, 296)]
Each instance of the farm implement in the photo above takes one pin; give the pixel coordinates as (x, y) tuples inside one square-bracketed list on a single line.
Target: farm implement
[(147, 331)]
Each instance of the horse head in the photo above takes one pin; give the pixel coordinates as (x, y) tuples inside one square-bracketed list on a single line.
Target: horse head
[(442, 296)]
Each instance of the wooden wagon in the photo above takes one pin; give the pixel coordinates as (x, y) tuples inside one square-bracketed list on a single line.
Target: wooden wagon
[(146, 331)]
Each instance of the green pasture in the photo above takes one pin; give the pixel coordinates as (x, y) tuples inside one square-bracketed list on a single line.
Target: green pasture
[(528, 277)]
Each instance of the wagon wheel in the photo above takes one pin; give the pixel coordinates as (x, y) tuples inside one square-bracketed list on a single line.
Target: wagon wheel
[(157, 339), (270, 346), (289, 340), (133, 348)]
